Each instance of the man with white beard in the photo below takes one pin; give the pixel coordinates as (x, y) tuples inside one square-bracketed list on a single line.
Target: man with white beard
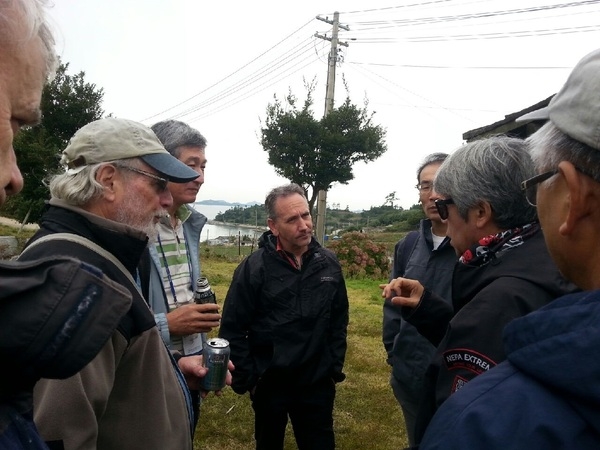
[(102, 208)]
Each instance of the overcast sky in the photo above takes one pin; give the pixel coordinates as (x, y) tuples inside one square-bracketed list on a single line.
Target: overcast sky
[(431, 70)]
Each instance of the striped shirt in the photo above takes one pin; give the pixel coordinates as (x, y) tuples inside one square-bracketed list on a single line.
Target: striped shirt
[(174, 261)]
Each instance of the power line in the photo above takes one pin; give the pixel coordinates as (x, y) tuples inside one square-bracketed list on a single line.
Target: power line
[(417, 66), (414, 94), (480, 36), (231, 74), (259, 88), (286, 58), (276, 64), (471, 16)]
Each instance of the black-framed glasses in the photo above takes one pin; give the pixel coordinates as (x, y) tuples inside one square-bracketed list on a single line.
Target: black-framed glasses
[(160, 183), (529, 186), (442, 207)]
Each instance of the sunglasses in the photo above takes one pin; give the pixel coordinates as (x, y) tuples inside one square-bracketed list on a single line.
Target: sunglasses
[(159, 183), (442, 207)]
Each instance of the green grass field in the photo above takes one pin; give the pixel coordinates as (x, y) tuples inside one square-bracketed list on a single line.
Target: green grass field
[(366, 414)]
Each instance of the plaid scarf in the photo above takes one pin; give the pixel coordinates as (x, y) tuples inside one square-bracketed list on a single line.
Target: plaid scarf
[(492, 246)]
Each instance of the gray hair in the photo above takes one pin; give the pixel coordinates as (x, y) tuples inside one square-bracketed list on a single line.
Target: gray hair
[(489, 170), (80, 188), (30, 15), (433, 158), (549, 146), (282, 191), (174, 134)]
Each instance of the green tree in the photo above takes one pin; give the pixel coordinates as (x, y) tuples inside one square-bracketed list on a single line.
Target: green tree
[(68, 103), (317, 153), (390, 198)]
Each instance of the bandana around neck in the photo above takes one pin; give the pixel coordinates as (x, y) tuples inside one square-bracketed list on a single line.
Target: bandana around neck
[(489, 247)]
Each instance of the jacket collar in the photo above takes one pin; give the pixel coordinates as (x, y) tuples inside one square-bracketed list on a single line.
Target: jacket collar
[(124, 242)]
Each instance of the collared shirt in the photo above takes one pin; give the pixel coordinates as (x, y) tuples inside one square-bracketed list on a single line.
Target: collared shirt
[(176, 273), (287, 255)]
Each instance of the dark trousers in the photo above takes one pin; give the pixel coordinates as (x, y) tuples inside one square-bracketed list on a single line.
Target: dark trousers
[(310, 409), (195, 406), (409, 399)]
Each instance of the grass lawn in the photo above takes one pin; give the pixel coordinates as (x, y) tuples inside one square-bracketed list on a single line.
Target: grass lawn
[(366, 414)]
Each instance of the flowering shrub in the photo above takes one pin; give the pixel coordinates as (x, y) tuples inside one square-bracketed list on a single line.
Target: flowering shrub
[(361, 257)]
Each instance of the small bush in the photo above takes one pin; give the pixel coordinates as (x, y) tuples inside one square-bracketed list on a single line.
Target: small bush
[(360, 256)]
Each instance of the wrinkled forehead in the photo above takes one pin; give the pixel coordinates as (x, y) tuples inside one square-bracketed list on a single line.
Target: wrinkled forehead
[(428, 172), (22, 77), (291, 206)]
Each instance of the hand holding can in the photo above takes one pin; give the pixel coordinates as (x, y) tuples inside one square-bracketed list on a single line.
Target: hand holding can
[(215, 357)]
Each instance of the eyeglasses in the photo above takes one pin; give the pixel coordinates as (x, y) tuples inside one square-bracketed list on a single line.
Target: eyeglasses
[(442, 207), (160, 183), (424, 187), (529, 186)]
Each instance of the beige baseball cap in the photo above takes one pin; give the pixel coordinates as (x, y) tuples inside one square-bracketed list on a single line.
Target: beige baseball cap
[(575, 109), (111, 139)]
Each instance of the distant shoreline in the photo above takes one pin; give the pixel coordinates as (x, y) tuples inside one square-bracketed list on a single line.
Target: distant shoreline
[(237, 225)]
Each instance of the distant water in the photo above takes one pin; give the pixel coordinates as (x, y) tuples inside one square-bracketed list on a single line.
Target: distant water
[(211, 231), (210, 211)]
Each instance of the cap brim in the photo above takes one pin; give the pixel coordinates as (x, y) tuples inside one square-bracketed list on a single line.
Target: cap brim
[(538, 114), (169, 166)]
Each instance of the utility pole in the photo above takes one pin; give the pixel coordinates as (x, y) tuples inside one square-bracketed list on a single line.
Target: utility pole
[(329, 96)]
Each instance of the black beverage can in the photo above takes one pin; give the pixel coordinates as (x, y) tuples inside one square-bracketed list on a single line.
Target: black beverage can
[(204, 293), (215, 357)]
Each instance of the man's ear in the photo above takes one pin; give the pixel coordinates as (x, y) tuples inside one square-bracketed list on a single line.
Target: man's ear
[(106, 175), (483, 214), (582, 198), (272, 227)]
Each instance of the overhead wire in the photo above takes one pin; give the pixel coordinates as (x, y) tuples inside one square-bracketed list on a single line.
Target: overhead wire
[(409, 91), (461, 17), (233, 73), (260, 87), (268, 70), (484, 36), (285, 58)]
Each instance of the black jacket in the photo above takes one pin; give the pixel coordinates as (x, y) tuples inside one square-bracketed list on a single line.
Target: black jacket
[(485, 298), (56, 314), (286, 325)]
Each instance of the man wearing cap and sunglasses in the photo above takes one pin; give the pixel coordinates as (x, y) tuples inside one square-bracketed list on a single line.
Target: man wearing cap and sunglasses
[(504, 270), (547, 393), (101, 211)]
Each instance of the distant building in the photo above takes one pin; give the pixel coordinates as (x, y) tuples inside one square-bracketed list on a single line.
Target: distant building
[(508, 125), (221, 240)]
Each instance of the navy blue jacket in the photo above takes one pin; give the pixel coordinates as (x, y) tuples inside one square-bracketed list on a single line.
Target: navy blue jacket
[(408, 352), (545, 396)]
